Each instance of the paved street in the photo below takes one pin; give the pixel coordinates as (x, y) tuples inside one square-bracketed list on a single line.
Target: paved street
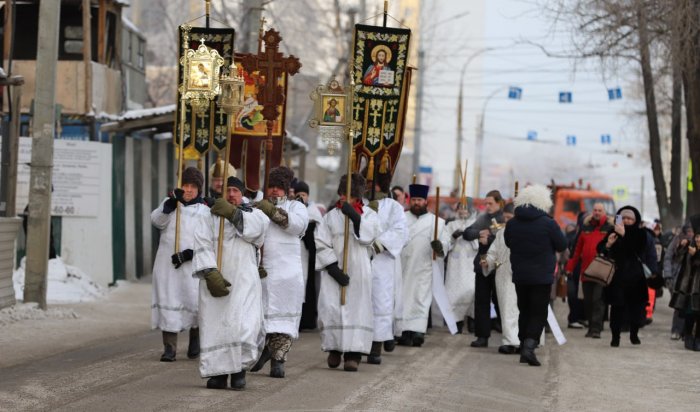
[(88, 365)]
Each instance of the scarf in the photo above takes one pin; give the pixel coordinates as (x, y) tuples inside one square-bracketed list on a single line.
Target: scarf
[(357, 205)]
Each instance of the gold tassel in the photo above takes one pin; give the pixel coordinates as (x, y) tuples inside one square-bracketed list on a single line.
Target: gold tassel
[(384, 165), (370, 169)]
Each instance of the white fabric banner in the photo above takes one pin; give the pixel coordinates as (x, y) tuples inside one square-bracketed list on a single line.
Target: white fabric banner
[(554, 326), (440, 295)]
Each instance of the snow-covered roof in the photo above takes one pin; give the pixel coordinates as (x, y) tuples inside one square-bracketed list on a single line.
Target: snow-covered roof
[(137, 114), (130, 25), (124, 3)]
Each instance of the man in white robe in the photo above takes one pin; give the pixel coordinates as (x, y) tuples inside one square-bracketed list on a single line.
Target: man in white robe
[(347, 329), (232, 334), (309, 312), (416, 261), (174, 292), (386, 249), (498, 259), (283, 288), (459, 276)]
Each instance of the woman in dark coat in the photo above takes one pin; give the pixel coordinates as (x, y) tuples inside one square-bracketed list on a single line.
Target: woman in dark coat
[(686, 289), (627, 294), (533, 239)]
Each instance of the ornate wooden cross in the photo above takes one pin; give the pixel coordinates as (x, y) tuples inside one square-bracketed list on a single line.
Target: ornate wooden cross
[(271, 65)]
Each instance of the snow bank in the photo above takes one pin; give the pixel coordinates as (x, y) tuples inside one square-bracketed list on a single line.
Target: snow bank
[(66, 284), (23, 311)]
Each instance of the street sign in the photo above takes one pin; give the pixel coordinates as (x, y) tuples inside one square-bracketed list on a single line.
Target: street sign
[(515, 93), (531, 135), (565, 97), (571, 140)]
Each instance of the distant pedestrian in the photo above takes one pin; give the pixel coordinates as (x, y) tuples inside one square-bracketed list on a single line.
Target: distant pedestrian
[(686, 290)]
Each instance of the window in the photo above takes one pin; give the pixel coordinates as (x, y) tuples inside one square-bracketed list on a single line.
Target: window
[(140, 59), (572, 206)]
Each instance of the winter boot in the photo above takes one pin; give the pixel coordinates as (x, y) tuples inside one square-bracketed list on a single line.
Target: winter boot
[(375, 354), (389, 345), (169, 347), (238, 381), (352, 361), (418, 339), (460, 327), (480, 343), (334, 358), (508, 349), (690, 341), (193, 347), (470, 325), (527, 353), (264, 357), (634, 338), (276, 368), (217, 382), (406, 338)]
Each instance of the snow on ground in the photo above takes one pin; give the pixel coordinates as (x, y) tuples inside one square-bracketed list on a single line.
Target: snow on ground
[(25, 311), (66, 284)]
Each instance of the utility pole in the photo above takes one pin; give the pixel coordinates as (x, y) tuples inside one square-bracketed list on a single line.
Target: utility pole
[(458, 165), (419, 111), (39, 221)]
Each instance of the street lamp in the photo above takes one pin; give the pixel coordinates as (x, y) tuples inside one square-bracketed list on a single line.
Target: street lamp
[(480, 141)]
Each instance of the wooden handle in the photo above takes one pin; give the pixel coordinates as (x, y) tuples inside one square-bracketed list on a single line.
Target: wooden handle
[(437, 209)]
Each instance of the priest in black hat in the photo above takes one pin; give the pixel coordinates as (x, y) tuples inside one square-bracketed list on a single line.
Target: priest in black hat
[(416, 261)]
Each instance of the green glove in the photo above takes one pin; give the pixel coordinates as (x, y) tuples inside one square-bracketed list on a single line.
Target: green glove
[(374, 205), (223, 208), (267, 207), (216, 283), (436, 245)]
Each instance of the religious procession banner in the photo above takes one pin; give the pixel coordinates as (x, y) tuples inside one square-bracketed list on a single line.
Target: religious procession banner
[(382, 81), (208, 129)]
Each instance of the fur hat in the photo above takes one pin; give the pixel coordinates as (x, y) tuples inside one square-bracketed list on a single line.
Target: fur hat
[(233, 181), (537, 196), (280, 176), (357, 185), (193, 176), (217, 169), (301, 187)]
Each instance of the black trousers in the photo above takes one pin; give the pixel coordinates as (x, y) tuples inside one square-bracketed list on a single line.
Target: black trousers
[(533, 301), (576, 305), (620, 314), (595, 305), (484, 292)]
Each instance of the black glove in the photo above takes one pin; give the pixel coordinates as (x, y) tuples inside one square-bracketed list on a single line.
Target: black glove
[(457, 234), (179, 193), (181, 257), (436, 245), (170, 204), (351, 213), (209, 201), (341, 277), (217, 285), (308, 238)]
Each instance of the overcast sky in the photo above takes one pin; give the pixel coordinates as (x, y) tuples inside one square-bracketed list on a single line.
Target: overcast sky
[(504, 27)]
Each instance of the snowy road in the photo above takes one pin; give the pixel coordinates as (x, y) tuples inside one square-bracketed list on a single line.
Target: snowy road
[(123, 373)]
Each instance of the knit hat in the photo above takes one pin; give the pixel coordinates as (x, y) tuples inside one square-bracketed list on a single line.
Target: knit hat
[(233, 181), (301, 187), (280, 176), (357, 185), (193, 176)]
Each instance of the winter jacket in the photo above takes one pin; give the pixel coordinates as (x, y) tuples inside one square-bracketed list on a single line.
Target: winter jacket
[(592, 232), (483, 221), (533, 238)]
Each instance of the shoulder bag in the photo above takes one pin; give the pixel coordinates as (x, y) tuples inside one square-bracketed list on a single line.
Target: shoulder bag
[(601, 270)]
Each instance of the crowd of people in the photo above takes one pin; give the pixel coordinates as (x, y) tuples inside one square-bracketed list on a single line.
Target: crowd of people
[(244, 272)]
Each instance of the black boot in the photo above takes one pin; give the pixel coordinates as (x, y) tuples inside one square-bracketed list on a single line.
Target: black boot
[(418, 339), (169, 347), (217, 382), (689, 341), (634, 338), (264, 357), (406, 338), (470, 325), (508, 349), (615, 342), (460, 327), (480, 343), (375, 354), (389, 345), (276, 368), (238, 381), (527, 353), (193, 347)]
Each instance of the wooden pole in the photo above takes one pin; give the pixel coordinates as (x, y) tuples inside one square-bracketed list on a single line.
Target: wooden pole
[(180, 160), (515, 192), (224, 193), (437, 216)]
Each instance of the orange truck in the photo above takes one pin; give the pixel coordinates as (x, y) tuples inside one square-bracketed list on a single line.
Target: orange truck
[(570, 200)]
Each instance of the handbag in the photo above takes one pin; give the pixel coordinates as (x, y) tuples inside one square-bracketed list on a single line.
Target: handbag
[(601, 270)]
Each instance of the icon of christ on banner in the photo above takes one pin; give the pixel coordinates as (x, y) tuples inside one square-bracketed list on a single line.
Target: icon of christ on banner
[(379, 72)]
